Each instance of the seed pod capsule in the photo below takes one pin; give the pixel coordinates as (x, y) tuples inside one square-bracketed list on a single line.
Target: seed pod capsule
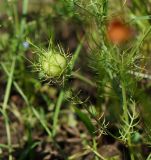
[(53, 64)]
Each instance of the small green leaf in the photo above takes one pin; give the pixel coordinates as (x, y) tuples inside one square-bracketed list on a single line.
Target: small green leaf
[(86, 120)]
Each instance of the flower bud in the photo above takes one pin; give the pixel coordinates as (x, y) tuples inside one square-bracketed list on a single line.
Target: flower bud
[(53, 64)]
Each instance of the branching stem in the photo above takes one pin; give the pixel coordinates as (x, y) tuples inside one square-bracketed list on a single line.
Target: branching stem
[(126, 117)]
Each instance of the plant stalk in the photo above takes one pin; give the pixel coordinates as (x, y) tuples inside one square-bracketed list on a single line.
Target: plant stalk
[(126, 117), (56, 113), (4, 107)]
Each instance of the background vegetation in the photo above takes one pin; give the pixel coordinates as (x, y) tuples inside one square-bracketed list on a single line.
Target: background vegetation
[(98, 106)]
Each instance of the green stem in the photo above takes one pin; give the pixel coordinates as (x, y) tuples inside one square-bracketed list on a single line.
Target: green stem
[(4, 107), (76, 55), (23, 20), (84, 79), (95, 148), (56, 113), (124, 102), (126, 117)]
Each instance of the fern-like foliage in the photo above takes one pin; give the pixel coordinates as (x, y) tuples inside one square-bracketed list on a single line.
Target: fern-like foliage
[(127, 128)]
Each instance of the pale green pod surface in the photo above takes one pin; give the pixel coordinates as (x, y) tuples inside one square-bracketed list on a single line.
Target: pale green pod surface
[(53, 64)]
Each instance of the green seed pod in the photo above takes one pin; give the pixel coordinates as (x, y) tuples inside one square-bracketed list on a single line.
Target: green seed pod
[(53, 64)]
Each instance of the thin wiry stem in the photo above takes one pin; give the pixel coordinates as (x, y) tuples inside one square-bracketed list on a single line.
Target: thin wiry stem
[(4, 107)]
